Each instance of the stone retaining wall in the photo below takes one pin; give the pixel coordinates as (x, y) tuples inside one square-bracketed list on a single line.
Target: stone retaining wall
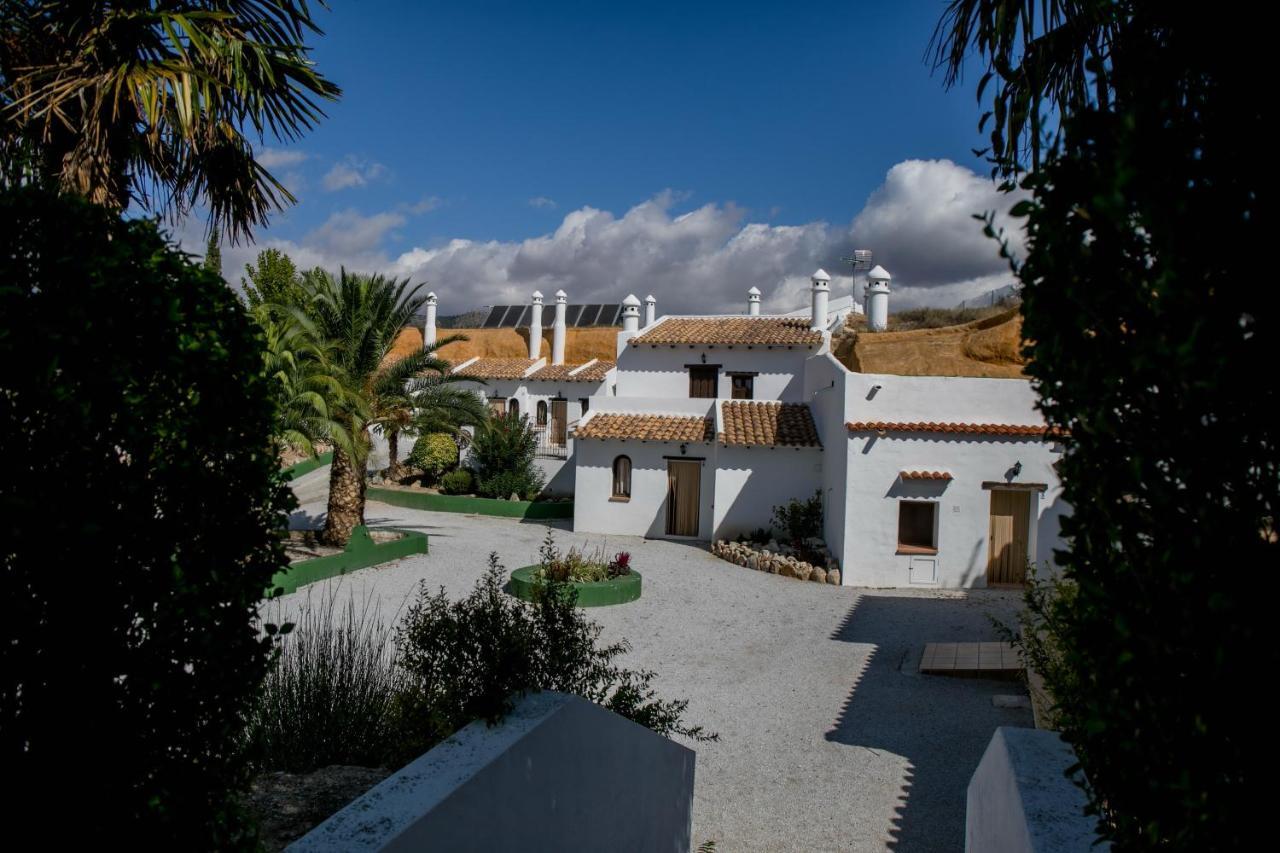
[(786, 565)]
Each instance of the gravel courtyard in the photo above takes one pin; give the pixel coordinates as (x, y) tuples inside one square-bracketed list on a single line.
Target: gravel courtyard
[(829, 738)]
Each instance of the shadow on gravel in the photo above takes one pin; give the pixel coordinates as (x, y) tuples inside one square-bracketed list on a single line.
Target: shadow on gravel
[(939, 725)]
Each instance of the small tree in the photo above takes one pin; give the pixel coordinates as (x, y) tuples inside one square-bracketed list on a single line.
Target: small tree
[(800, 520), (131, 380), (273, 279), (434, 453), (502, 454)]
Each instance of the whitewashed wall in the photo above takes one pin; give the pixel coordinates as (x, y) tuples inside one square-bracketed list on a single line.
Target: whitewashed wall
[(825, 391), (964, 506), (645, 513), (645, 371), (751, 481)]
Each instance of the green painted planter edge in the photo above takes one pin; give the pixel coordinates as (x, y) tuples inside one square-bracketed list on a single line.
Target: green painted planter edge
[(475, 506), (596, 594), (306, 466), (361, 553)]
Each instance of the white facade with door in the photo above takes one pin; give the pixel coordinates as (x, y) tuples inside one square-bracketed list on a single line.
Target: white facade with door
[(906, 502)]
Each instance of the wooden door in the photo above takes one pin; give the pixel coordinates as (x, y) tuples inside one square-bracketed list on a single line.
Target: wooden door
[(702, 382), (684, 494), (559, 420), (1010, 533)]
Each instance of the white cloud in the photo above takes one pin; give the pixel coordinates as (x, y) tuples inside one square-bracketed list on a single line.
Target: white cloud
[(352, 172), (918, 222), (276, 158), (424, 205), (542, 202)]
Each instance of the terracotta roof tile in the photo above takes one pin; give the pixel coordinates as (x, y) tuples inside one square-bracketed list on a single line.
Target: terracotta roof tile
[(750, 424), (926, 475), (496, 368), (746, 331), (643, 427), (594, 371), (1011, 430)]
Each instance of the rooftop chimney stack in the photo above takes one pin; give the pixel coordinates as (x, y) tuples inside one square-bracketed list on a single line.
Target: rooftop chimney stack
[(821, 293), (753, 302), (650, 310), (429, 327), (878, 299), (630, 321), (535, 326), (558, 330)]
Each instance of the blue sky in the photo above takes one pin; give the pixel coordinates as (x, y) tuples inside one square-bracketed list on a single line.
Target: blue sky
[(686, 148)]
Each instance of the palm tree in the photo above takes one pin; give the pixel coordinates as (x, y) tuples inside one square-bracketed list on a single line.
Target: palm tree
[(310, 387), (361, 316), (154, 103)]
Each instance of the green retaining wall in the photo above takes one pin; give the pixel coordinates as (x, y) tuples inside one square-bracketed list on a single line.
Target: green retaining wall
[(361, 553), (306, 466), (476, 506), (598, 594)]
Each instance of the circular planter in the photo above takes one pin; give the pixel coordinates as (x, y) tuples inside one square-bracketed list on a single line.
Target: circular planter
[(596, 594)]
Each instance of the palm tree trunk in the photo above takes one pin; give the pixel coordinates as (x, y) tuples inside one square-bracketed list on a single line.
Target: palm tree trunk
[(346, 499), (394, 471)]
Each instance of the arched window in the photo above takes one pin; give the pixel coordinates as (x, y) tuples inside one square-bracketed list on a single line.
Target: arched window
[(513, 406), (622, 477), (542, 413)]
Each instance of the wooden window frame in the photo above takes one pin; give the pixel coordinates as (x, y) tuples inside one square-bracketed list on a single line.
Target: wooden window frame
[(715, 380), (749, 379), (918, 547), (542, 413), (513, 406), (623, 494)]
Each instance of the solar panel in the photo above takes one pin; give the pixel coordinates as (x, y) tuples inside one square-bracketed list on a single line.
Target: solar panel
[(579, 316)]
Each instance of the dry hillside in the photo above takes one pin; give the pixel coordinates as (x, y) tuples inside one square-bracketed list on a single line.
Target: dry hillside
[(986, 347), (580, 344)]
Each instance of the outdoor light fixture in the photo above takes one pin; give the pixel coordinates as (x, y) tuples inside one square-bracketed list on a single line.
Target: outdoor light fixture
[(704, 358), (1016, 469), (684, 448)]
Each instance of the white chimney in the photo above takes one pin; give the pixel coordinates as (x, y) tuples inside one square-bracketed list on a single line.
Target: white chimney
[(878, 299), (535, 326), (558, 330), (631, 314), (753, 302), (429, 327), (650, 310), (630, 321), (821, 293)]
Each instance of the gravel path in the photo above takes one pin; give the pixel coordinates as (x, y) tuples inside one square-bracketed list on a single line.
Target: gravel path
[(829, 738)]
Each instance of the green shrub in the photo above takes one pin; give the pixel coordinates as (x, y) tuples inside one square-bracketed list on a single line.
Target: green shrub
[(128, 653), (332, 697), (502, 453), (434, 453), (800, 520), (457, 482), (469, 659), (524, 484)]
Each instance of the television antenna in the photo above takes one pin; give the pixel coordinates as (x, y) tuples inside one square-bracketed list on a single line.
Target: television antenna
[(859, 260)]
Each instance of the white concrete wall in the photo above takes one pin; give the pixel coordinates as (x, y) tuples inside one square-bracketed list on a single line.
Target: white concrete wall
[(558, 773), (645, 371), (645, 514), (964, 506), (751, 481), (825, 391), (1020, 799)]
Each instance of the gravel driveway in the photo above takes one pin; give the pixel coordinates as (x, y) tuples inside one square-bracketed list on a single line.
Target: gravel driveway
[(829, 738)]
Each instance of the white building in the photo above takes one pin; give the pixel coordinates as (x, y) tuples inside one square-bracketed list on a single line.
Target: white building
[(706, 423)]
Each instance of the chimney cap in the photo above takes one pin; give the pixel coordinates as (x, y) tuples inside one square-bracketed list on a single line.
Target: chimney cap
[(561, 296), (651, 299), (821, 275), (879, 273), (537, 295), (755, 291), (431, 297), (631, 300)]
